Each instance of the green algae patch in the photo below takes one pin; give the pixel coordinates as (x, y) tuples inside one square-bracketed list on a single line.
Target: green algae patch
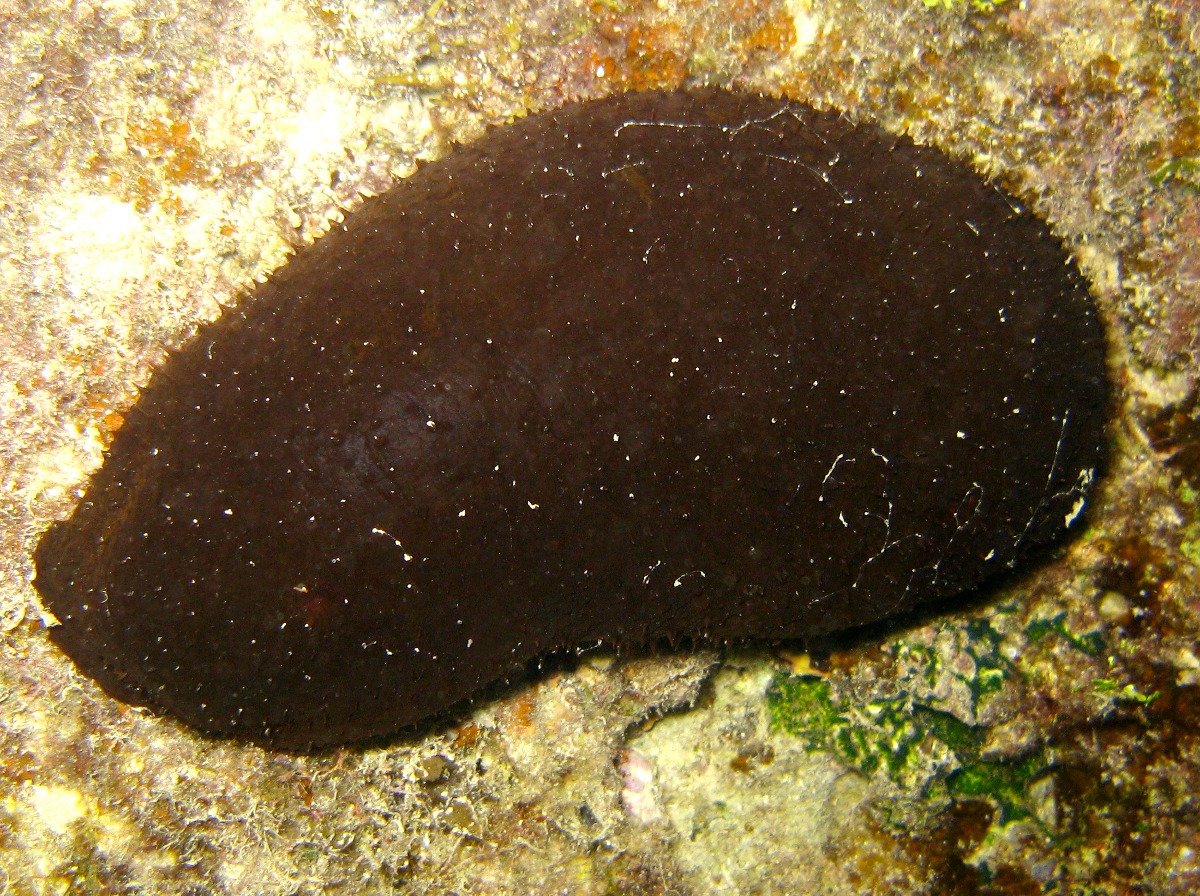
[(992, 668), (1189, 500), (1110, 687), (1004, 784), (926, 753), (1184, 170), (979, 5), (804, 708), (956, 669), (1091, 643)]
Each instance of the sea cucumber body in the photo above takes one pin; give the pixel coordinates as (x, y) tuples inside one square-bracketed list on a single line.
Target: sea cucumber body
[(662, 365)]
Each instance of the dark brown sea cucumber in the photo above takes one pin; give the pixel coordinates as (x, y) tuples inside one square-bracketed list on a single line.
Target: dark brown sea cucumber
[(666, 364)]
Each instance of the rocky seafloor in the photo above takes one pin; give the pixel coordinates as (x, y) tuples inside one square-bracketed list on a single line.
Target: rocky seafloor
[(157, 157)]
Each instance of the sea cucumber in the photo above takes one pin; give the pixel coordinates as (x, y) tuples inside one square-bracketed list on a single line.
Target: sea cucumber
[(665, 365)]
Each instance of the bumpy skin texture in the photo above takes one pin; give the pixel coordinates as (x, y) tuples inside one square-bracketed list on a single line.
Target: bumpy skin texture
[(666, 364)]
